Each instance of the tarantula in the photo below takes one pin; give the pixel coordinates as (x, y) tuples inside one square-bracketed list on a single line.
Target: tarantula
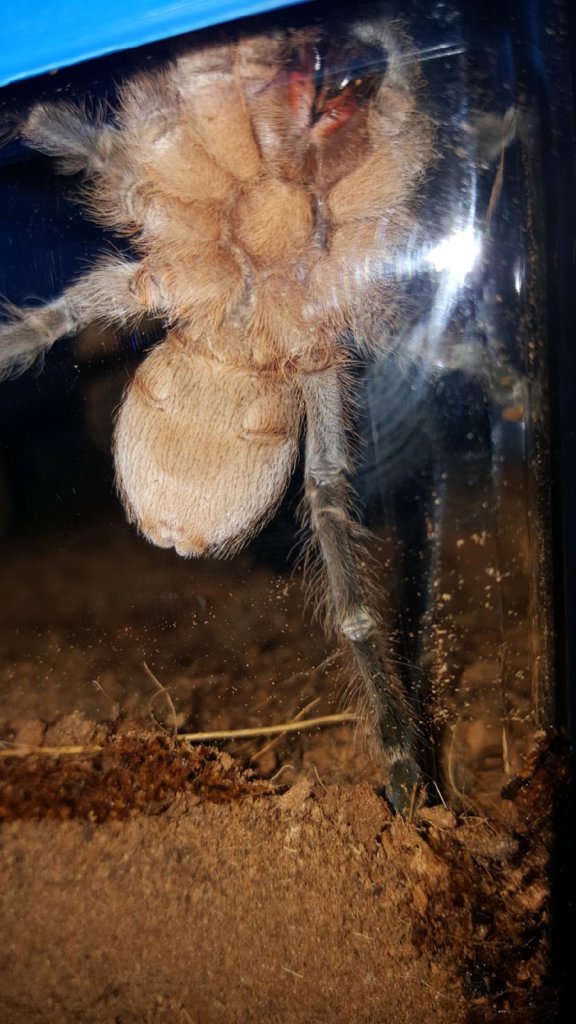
[(267, 182)]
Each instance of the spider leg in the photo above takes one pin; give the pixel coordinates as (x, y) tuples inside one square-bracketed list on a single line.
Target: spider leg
[(115, 292), (350, 609), (64, 132)]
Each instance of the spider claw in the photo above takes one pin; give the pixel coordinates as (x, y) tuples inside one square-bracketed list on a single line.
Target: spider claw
[(405, 791)]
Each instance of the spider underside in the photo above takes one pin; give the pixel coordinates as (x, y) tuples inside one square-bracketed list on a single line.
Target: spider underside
[(266, 183)]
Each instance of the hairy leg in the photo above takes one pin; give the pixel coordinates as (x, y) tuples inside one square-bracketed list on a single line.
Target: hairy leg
[(64, 132), (349, 604), (117, 292)]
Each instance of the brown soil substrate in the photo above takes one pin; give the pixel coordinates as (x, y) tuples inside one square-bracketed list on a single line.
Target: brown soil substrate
[(152, 881)]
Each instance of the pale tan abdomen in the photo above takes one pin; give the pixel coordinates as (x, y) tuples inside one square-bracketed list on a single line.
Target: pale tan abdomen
[(203, 451)]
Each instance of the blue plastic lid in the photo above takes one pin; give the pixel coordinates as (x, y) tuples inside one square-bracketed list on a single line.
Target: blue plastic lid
[(42, 35)]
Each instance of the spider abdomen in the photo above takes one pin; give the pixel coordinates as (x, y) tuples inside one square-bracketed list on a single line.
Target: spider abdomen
[(203, 450)]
